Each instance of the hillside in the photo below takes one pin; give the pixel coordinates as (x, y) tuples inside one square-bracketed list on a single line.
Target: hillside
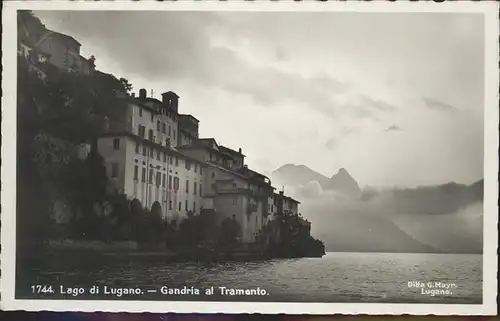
[(445, 218), (352, 233)]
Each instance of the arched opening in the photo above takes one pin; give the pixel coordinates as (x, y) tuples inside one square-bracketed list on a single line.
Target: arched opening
[(156, 209)]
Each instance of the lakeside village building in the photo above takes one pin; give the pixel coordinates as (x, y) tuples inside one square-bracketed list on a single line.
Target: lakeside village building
[(154, 153)]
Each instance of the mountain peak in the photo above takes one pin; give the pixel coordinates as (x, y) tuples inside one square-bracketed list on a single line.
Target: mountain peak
[(343, 182), (293, 174), (342, 171), (296, 175)]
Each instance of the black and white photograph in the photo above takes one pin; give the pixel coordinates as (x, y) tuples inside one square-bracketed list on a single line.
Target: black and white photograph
[(248, 157)]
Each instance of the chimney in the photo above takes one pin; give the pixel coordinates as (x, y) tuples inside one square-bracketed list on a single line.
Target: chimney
[(239, 150), (142, 94)]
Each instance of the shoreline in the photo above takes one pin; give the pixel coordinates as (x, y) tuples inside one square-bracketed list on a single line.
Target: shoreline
[(156, 255)]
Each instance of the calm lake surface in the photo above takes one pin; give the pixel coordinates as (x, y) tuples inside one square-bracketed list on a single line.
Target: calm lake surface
[(337, 277)]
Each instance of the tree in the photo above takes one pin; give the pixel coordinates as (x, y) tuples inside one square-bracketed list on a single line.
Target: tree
[(127, 86), (230, 231), (136, 208)]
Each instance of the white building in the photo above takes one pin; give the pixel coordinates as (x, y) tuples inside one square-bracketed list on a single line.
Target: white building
[(231, 188), (141, 159), (154, 154)]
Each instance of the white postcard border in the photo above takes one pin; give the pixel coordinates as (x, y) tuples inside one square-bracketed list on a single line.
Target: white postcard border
[(9, 159)]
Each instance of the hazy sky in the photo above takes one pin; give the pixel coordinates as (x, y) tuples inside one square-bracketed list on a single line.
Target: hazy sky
[(395, 98)]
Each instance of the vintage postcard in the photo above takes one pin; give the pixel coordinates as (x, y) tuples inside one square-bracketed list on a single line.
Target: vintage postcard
[(250, 157)]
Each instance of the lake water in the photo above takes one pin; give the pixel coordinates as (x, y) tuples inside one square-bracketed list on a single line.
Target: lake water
[(337, 277)]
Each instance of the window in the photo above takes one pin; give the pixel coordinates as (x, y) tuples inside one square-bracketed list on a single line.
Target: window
[(163, 180), (200, 190), (144, 151), (174, 134), (176, 183), (188, 165), (196, 168), (201, 171), (140, 112), (213, 174), (116, 143), (151, 152), (194, 189), (177, 161), (142, 131), (194, 206), (150, 135), (158, 154), (152, 117), (169, 131), (180, 206), (186, 204), (211, 156), (158, 179), (170, 182), (143, 174), (158, 125), (187, 186), (234, 185), (151, 176), (165, 157), (235, 200), (114, 170), (163, 127), (272, 208), (171, 160), (136, 172), (137, 147), (169, 205)]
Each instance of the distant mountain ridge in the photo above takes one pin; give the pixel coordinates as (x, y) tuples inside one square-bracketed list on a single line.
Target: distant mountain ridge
[(437, 199), (444, 218), (295, 175)]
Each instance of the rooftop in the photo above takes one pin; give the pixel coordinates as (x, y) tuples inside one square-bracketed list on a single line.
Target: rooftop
[(253, 175), (286, 197), (225, 149), (189, 116)]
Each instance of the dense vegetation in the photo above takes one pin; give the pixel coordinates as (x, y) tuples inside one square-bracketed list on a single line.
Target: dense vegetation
[(289, 235)]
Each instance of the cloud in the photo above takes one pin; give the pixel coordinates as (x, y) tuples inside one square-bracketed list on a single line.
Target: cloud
[(201, 48), (341, 135), (331, 143), (263, 80), (393, 128), (378, 104), (435, 104)]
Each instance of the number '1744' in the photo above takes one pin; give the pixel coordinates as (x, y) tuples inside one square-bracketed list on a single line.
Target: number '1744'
[(38, 289)]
